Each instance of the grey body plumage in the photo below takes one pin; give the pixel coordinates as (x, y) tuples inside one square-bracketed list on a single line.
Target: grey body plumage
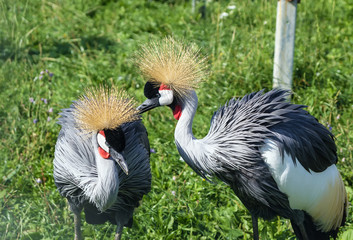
[(108, 195), (242, 125), (232, 151), (278, 159)]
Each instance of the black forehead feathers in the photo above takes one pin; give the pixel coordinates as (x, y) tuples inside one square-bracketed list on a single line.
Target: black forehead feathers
[(151, 90), (115, 138)]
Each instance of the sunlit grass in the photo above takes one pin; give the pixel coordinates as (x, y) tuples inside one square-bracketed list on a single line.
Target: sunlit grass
[(86, 43)]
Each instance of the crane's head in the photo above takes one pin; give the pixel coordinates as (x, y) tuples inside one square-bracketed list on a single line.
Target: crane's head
[(172, 69), (160, 96), (111, 144), (100, 113)]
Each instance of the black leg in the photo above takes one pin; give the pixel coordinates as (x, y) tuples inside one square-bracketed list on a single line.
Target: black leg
[(77, 222), (303, 232), (255, 227), (77, 219), (298, 225), (119, 231)]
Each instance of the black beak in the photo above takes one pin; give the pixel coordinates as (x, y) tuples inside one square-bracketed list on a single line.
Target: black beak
[(119, 159), (148, 104)]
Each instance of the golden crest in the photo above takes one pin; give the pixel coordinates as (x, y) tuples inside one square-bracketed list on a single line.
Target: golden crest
[(173, 63), (102, 108)]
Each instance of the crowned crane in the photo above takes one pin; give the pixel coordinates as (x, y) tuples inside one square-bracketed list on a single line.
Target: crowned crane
[(276, 157), (101, 162)]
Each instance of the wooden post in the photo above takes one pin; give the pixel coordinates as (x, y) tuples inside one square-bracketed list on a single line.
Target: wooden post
[(284, 44)]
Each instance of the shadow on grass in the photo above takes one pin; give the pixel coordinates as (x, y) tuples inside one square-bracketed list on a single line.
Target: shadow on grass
[(54, 49)]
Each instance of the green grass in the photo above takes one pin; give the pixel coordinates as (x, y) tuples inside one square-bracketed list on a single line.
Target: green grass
[(86, 43)]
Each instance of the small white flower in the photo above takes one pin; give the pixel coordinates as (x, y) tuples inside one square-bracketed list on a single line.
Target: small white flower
[(343, 159), (317, 74), (174, 178), (173, 193), (231, 7), (223, 15), (265, 22)]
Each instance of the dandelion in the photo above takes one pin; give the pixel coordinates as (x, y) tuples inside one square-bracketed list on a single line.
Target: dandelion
[(152, 150), (223, 15), (35, 121), (173, 193), (31, 100)]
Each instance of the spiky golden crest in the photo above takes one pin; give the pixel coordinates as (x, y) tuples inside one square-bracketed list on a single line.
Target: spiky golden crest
[(101, 109), (173, 63)]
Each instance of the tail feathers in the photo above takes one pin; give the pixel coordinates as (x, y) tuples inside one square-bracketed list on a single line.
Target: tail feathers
[(94, 216), (311, 230)]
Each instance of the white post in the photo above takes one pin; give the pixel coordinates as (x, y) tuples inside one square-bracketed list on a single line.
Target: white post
[(193, 4), (284, 44)]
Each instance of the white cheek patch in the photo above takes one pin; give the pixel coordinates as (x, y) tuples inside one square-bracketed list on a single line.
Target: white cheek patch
[(166, 97), (101, 142)]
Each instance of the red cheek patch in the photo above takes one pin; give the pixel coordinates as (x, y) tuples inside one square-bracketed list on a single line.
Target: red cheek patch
[(103, 153), (177, 112)]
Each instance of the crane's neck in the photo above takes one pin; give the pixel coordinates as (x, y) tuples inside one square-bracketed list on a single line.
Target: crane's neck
[(192, 150), (103, 190), (183, 129)]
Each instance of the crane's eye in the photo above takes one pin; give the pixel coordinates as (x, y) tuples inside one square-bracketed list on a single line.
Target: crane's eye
[(103, 147)]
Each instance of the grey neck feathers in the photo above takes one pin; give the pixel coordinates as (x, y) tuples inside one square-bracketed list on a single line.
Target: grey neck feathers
[(103, 190), (193, 151), (183, 129)]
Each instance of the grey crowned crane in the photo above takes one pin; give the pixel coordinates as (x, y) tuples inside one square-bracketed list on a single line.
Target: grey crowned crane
[(101, 162), (276, 157)]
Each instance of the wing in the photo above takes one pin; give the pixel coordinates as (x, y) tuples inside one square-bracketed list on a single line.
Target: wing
[(245, 124), (73, 159), (138, 183)]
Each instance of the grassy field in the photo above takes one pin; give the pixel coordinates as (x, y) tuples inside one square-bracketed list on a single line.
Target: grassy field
[(50, 50)]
